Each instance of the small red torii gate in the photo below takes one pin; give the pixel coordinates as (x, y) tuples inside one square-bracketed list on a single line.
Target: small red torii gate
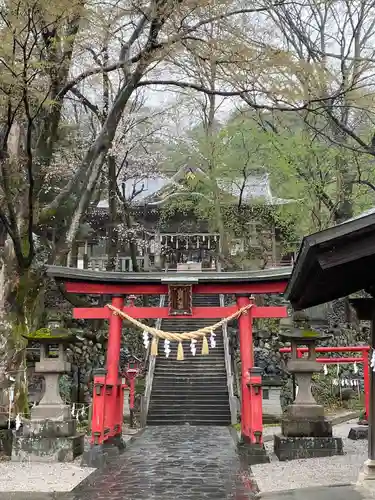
[(108, 385)]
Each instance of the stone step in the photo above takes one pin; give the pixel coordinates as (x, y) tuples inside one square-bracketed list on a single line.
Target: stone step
[(170, 389), (186, 346), (218, 350), (188, 389), (171, 397), (201, 420), (193, 390), (190, 372), (190, 406), (197, 360), (202, 380), (187, 367), (166, 397), (189, 417), (189, 362), (195, 410), (206, 300), (217, 358), (192, 377), (197, 367), (192, 410), (187, 325)]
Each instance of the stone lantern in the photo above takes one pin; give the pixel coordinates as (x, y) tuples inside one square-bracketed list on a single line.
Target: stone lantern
[(50, 434), (52, 365), (305, 430)]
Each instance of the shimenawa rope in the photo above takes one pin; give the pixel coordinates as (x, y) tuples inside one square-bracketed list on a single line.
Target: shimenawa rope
[(179, 337)]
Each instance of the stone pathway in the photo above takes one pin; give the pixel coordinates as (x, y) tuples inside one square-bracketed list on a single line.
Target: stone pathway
[(191, 463), (164, 463), (323, 493)]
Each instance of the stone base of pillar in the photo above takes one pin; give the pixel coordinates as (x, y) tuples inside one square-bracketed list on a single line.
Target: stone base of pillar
[(368, 472), (306, 427), (293, 448), (252, 453), (98, 455), (366, 479), (358, 432), (56, 412), (49, 428), (47, 449), (47, 440)]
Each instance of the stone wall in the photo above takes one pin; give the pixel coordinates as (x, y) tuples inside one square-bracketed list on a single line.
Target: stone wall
[(343, 325)]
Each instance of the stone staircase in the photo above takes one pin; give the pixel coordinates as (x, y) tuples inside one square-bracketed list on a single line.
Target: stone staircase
[(194, 390)]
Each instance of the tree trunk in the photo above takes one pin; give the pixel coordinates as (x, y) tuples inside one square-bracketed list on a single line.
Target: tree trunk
[(22, 307), (132, 244), (209, 125), (91, 167), (112, 241)]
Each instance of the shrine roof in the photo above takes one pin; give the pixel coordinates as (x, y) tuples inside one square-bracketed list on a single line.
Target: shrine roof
[(334, 263), (155, 191), (88, 275)]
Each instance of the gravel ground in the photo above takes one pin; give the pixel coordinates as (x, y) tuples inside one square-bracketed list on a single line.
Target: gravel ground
[(280, 476), (41, 477)]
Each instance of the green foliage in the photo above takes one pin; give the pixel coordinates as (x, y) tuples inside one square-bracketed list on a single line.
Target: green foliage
[(362, 414), (322, 391), (228, 157), (140, 386)]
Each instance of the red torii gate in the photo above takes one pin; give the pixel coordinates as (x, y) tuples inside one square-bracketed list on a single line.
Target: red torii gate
[(108, 384)]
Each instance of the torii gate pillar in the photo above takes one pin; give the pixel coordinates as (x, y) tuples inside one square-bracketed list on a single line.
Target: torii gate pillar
[(247, 362), (251, 387)]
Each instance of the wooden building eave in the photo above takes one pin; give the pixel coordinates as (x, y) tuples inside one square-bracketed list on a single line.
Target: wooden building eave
[(334, 263)]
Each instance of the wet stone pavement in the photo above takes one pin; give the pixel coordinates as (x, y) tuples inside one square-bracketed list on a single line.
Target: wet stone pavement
[(184, 462)]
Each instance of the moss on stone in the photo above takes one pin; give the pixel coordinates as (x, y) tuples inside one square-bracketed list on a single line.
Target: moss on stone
[(48, 333)]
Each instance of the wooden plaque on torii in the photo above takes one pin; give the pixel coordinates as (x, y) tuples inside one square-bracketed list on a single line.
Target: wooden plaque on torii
[(180, 300)]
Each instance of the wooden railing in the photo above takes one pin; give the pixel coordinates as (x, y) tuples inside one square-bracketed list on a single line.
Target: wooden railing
[(122, 264), (125, 264)]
